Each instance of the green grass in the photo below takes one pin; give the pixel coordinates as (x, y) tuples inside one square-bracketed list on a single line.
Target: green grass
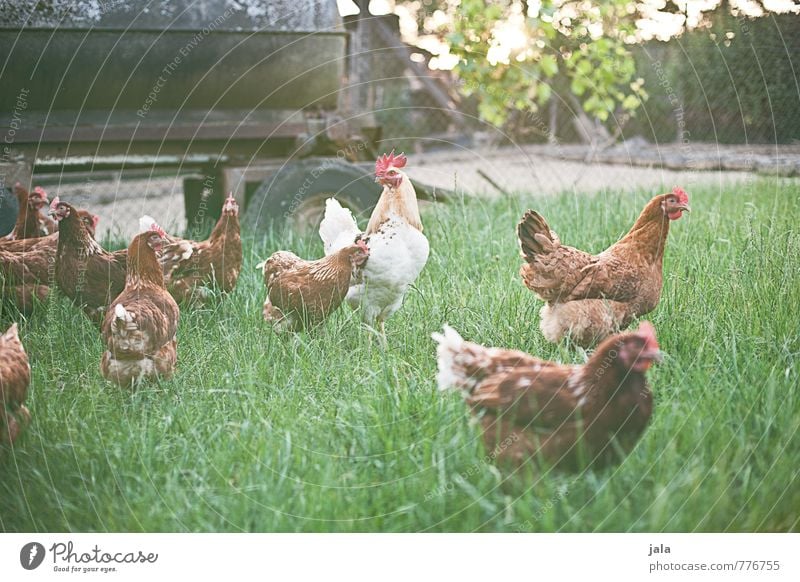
[(326, 431)]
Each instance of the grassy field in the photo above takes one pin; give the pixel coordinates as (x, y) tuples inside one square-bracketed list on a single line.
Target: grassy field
[(327, 431)]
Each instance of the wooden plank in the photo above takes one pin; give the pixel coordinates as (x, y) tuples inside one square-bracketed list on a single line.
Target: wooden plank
[(150, 133)]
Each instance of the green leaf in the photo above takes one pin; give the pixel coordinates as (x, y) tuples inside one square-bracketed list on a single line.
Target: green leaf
[(544, 92), (577, 86), (584, 67), (630, 102), (592, 104), (549, 65)]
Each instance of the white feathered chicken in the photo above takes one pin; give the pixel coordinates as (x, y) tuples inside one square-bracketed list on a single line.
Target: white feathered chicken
[(397, 248)]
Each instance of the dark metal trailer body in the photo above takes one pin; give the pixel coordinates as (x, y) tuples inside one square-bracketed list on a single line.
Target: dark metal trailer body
[(227, 90)]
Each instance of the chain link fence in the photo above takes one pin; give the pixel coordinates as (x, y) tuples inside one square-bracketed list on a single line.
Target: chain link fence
[(119, 199)]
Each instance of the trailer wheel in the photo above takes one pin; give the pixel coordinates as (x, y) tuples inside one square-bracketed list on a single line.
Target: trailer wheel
[(295, 195), (9, 208)]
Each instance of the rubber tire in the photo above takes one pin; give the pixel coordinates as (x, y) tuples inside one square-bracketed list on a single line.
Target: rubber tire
[(279, 197), (9, 209)]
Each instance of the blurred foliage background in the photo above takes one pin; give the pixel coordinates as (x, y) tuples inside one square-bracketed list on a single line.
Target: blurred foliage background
[(601, 72)]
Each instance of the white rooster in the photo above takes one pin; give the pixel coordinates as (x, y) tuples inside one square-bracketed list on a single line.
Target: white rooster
[(398, 250)]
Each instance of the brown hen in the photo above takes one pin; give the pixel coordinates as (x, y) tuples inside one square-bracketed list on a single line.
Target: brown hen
[(31, 223), (139, 329), (84, 271), (27, 266), (301, 294), (193, 269), (566, 416), (15, 375), (590, 297)]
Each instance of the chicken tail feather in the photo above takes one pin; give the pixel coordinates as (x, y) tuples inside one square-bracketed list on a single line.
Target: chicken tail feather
[(122, 317), (450, 375), (12, 334), (462, 364), (535, 236), (338, 228)]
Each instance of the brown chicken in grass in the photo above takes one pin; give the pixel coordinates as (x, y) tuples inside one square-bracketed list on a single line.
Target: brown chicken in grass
[(566, 416), (139, 329), (15, 375), (590, 297), (25, 297), (26, 244), (84, 271), (31, 223), (194, 269), (28, 265), (20, 276), (301, 294), (37, 254)]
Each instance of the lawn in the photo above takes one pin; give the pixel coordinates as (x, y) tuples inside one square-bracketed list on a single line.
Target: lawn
[(329, 431)]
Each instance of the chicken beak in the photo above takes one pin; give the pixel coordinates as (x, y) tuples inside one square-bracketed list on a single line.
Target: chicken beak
[(685, 208), (377, 180)]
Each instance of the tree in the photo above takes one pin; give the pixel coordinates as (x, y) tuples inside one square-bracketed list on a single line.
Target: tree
[(515, 55)]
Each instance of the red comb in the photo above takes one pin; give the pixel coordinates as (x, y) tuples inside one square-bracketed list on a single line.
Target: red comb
[(158, 230), (681, 194), (40, 191), (387, 160), (648, 332), (362, 245), (54, 203)]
